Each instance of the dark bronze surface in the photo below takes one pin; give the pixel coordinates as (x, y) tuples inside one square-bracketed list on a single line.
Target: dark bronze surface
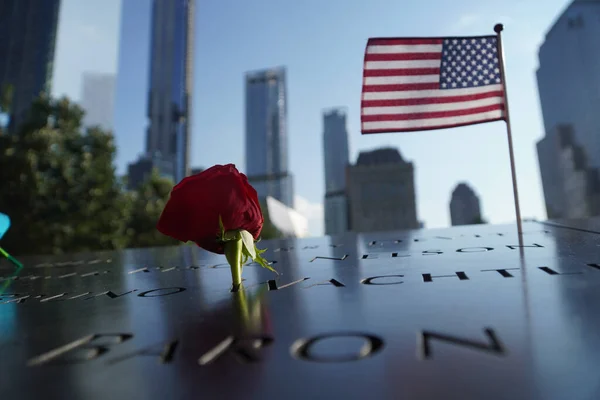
[(460, 313)]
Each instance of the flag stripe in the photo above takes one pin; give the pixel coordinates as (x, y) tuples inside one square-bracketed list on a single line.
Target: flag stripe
[(433, 107), (403, 48), (402, 72), (440, 123), (402, 64), (429, 100), (400, 41), (431, 114), (403, 56), (393, 80), (412, 84), (395, 88), (435, 92)]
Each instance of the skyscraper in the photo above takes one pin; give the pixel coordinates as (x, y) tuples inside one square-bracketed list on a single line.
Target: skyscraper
[(266, 135), (336, 157), (27, 43), (571, 186), (464, 206), (381, 192), (97, 99), (568, 82), (170, 87)]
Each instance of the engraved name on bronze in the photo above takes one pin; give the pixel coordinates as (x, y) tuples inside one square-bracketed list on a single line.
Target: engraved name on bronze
[(493, 346), (164, 352), (274, 285), (250, 348), (164, 269), (245, 349), (22, 298), (303, 349), (81, 350)]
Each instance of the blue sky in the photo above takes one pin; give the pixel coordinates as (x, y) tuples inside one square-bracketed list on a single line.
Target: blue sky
[(322, 42)]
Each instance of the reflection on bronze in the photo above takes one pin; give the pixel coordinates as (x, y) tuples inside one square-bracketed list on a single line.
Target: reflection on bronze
[(161, 323)]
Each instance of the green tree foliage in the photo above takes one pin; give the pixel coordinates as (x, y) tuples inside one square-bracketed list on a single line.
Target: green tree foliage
[(58, 184), (6, 95), (147, 203)]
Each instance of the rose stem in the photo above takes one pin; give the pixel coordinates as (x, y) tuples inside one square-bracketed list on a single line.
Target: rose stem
[(233, 253)]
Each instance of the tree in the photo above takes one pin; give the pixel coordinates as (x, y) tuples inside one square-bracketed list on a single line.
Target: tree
[(6, 95), (58, 184), (147, 203), (269, 230)]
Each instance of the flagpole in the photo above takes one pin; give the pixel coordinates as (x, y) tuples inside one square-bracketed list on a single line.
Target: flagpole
[(498, 29)]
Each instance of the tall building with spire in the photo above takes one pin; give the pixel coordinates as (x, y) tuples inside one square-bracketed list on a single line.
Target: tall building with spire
[(170, 86), (267, 135), (336, 159)]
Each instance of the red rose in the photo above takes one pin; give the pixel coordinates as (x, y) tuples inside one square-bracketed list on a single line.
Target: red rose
[(197, 202)]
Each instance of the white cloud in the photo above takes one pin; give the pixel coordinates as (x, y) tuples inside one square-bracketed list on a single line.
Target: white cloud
[(313, 212)]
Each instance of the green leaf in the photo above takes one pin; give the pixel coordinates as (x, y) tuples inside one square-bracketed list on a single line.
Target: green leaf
[(245, 256), (221, 227), (248, 241), (263, 262)]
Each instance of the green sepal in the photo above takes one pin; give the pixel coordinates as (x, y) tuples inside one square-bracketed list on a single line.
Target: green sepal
[(222, 228), (247, 254), (263, 262), (248, 248), (229, 235), (248, 241)]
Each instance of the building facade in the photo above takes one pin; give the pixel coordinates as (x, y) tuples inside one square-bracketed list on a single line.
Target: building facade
[(381, 192), (569, 87), (131, 88), (336, 159), (336, 213), (267, 135), (27, 43), (464, 206), (571, 185), (170, 85), (97, 99), (138, 172)]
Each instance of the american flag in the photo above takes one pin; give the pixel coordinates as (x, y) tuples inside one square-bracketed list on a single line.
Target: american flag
[(430, 83)]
